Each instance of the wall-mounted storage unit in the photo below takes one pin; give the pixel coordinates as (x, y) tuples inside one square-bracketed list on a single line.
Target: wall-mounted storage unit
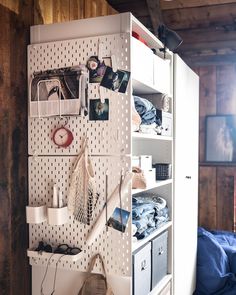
[(112, 143)]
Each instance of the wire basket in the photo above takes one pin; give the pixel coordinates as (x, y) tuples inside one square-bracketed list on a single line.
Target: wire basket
[(163, 171)]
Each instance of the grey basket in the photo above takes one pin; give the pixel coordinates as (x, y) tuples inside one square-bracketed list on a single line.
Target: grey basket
[(163, 171)]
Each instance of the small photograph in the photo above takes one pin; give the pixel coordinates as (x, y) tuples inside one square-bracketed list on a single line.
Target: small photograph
[(112, 80), (119, 219), (98, 111), (124, 82), (97, 68)]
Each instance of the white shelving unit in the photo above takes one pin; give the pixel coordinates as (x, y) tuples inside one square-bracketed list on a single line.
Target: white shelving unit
[(111, 143)]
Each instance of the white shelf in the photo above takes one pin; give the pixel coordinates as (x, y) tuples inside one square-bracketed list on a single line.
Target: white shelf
[(140, 135), (143, 88), (161, 285), (155, 185), (56, 256), (140, 243)]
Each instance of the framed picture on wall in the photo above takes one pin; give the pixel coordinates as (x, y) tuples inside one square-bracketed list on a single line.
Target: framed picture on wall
[(220, 143)]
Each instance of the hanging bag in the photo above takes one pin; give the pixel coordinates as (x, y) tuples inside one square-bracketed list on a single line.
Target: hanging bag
[(82, 196), (96, 284)]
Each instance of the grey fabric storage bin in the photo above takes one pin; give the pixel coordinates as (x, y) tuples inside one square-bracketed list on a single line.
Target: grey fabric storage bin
[(159, 258), (142, 271)]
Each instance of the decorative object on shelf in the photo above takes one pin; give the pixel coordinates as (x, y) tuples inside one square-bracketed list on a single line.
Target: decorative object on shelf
[(115, 81), (165, 103), (112, 203), (97, 68), (220, 139), (138, 178), (166, 122), (163, 171), (52, 92), (58, 216), (62, 137), (98, 110), (62, 83), (96, 283), (119, 218), (82, 196), (36, 214)]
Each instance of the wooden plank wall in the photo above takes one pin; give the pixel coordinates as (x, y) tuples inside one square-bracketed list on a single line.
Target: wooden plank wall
[(16, 16), (216, 183)]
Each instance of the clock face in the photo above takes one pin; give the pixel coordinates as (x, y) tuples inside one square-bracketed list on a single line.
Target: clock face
[(62, 137)]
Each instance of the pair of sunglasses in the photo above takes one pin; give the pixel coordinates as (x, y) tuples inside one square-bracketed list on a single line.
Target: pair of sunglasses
[(61, 249), (65, 249)]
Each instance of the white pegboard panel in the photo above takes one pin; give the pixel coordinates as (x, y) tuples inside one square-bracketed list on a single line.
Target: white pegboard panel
[(106, 137), (114, 246)]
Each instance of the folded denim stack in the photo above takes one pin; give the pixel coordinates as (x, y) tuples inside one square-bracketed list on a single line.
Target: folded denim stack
[(148, 213), (146, 110)]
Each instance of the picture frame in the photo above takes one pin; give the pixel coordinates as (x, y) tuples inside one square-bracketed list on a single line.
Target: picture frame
[(220, 140)]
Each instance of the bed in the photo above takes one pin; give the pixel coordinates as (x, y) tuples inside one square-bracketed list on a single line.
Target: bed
[(216, 263)]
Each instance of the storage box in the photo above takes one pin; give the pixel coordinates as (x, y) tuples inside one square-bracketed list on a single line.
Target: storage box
[(150, 176), (159, 258), (58, 216), (144, 162), (36, 214), (163, 171), (166, 122), (142, 271)]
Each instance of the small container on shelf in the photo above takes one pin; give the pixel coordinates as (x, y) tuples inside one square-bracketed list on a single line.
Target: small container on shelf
[(36, 214), (150, 176), (58, 216), (144, 162), (163, 171)]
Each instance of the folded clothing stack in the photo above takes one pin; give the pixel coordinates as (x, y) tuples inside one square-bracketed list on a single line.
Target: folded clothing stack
[(148, 213), (150, 122)]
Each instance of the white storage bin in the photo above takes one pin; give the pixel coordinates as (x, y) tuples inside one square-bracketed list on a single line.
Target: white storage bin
[(162, 74), (58, 216), (36, 214), (144, 162), (166, 122), (142, 62), (150, 176)]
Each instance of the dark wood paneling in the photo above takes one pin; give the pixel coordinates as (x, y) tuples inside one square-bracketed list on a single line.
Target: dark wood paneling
[(200, 17), (225, 198), (226, 89), (191, 3), (207, 102), (207, 197), (217, 190), (14, 31)]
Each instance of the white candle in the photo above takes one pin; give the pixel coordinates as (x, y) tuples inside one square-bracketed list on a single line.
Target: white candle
[(55, 196), (60, 202)]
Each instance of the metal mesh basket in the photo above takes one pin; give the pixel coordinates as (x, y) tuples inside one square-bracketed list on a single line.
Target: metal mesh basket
[(163, 171)]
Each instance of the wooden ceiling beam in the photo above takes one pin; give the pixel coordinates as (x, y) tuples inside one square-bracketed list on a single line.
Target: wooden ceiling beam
[(209, 46), (155, 13), (191, 3), (211, 34), (200, 60), (200, 17), (137, 7)]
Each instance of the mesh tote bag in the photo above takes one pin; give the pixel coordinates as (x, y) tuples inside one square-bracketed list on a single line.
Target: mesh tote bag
[(96, 284), (82, 195)]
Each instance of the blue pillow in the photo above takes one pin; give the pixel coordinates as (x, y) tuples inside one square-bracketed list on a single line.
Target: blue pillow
[(212, 264)]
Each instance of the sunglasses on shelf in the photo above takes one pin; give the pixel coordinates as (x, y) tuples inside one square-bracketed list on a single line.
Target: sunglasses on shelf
[(61, 249)]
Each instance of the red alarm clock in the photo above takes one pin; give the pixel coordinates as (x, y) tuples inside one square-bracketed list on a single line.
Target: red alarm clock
[(62, 137)]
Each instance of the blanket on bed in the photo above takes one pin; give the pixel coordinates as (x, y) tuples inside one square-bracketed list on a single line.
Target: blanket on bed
[(216, 263)]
